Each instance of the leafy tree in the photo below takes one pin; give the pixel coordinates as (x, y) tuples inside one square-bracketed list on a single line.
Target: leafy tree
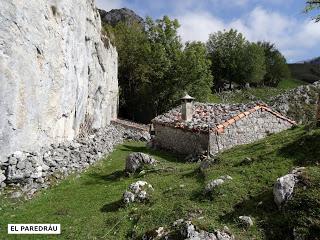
[(155, 69), (252, 66), (196, 71), (225, 50), (133, 48), (234, 59), (313, 5), (276, 65)]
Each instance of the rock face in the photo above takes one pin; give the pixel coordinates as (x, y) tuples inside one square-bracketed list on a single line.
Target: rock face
[(115, 16), (299, 103), (58, 73)]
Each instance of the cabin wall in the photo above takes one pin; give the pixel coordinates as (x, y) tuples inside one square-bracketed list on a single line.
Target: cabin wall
[(255, 126), (180, 141)]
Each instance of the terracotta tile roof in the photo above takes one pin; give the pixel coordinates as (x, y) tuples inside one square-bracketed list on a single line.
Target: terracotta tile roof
[(215, 117)]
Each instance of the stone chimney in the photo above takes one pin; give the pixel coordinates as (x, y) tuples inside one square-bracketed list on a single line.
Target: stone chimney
[(187, 107)]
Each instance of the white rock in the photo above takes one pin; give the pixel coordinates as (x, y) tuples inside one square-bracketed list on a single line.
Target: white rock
[(213, 184), (56, 73), (246, 220), (226, 177), (224, 236), (128, 197), (283, 188), (138, 192), (37, 172), (2, 177), (135, 161)]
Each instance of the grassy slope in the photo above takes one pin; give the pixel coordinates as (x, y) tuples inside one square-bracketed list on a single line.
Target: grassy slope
[(261, 93), (88, 206)]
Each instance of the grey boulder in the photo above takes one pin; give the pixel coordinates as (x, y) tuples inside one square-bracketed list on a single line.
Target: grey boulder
[(135, 161), (246, 220), (284, 186)]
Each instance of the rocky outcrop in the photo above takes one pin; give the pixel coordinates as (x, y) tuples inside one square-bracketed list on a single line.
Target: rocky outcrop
[(299, 103), (58, 73), (124, 15)]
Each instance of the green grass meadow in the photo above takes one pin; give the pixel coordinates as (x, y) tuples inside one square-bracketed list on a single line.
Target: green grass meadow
[(88, 206)]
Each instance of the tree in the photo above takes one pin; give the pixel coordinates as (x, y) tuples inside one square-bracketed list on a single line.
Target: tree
[(276, 65), (155, 68), (234, 59), (133, 72), (225, 50), (313, 5), (175, 69), (196, 71), (252, 66)]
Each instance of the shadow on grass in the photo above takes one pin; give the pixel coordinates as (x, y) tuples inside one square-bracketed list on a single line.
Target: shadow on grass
[(96, 178), (112, 207), (265, 214), (305, 150), (197, 174)]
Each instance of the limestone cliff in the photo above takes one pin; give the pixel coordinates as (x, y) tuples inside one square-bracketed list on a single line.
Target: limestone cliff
[(58, 74)]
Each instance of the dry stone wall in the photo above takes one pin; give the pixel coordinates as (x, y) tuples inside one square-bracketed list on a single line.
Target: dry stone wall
[(30, 171), (179, 140), (58, 74), (255, 126)]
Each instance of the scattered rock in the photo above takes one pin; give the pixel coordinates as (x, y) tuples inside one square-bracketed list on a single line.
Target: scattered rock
[(246, 161), (215, 183), (284, 186), (138, 192), (128, 197), (246, 221), (2, 176), (136, 161), (226, 177), (188, 231), (225, 235), (25, 169), (155, 234), (196, 157), (16, 195)]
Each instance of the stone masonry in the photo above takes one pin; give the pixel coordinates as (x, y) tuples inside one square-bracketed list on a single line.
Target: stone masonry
[(34, 170), (216, 127)]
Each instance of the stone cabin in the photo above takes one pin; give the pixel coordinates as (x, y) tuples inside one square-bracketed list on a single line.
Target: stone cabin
[(196, 127)]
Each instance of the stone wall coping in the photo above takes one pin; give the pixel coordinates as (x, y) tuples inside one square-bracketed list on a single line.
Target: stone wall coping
[(128, 124)]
